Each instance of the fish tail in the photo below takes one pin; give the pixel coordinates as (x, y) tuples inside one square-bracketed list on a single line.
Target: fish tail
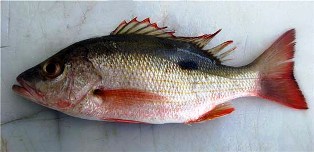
[(275, 68)]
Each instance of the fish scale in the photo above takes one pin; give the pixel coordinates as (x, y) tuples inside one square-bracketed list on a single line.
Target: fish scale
[(141, 73)]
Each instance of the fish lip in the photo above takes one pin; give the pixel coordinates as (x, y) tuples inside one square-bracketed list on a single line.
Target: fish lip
[(21, 91), (26, 90)]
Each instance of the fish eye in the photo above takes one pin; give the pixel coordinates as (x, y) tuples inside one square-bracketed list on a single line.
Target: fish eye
[(52, 69)]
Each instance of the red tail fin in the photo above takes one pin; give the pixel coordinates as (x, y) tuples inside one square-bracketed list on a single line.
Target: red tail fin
[(276, 73)]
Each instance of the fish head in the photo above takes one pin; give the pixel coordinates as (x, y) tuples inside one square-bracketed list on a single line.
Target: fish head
[(61, 81)]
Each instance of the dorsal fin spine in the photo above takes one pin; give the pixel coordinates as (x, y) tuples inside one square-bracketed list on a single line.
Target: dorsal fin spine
[(209, 37), (146, 20), (141, 28), (131, 27), (214, 34), (127, 26), (121, 25), (144, 27), (134, 29), (154, 25), (147, 32), (155, 32)]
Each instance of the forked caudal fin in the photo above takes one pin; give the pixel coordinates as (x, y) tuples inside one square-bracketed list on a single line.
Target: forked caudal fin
[(275, 68)]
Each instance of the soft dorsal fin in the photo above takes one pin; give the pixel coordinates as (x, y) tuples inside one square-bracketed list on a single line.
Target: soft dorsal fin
[(216, 51), (219, 111), (199, 41), (145, 27)]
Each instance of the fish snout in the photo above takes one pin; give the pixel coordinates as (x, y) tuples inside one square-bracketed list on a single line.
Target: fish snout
[(26, 87)]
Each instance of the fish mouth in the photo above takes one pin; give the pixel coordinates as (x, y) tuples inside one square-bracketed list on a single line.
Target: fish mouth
[(25, 90)]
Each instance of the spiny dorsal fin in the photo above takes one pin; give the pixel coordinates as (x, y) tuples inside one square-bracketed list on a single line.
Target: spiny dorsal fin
[(145, 27), (142, 27)]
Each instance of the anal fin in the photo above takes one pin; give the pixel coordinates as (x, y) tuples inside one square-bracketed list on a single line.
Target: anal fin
[(219, 111)]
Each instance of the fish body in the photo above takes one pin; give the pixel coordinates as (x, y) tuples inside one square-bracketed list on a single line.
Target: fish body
[(143, 74)]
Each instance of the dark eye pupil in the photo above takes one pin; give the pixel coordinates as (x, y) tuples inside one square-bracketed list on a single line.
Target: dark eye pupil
[(51, 68)]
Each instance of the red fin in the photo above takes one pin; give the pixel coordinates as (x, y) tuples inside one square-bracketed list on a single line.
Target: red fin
[(126, 99), (276, 72), (144, 27), (199, 41), (219, 111), (121, 25), (123, 121), (216, 51), (127, 96)]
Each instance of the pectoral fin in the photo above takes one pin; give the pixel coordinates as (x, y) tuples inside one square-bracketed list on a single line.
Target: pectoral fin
[(219, 111)]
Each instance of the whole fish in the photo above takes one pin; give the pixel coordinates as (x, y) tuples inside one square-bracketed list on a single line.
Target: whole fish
[(141, 73)]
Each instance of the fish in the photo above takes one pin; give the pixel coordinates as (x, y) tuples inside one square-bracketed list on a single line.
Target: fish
[(143, 73)]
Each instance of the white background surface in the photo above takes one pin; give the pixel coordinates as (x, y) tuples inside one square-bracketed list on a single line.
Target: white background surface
[(33, 31)]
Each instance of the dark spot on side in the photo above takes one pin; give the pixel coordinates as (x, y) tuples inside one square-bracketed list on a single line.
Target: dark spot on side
[(97, 92), (188, 65)]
